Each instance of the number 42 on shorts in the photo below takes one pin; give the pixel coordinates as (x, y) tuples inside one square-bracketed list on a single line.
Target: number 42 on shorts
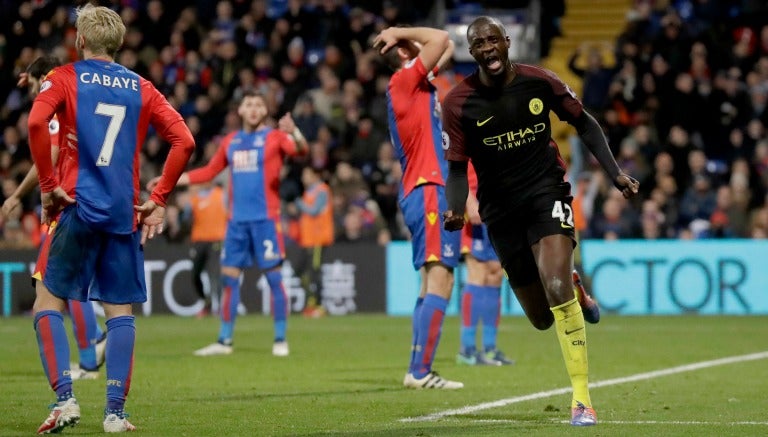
[(564, 213)]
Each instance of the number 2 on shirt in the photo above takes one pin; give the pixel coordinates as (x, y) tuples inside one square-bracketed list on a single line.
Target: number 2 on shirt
[(116, 113)]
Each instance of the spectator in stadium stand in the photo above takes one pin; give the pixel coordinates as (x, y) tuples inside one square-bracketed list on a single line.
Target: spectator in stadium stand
[(724, 218), (673, 42), (154, 24), (361, 222), (678, 147), (631, 160), (698, 201), (306, 118), (254, 155), (300, 21), (612, 222), (294, 76), (384, 183), (364, 144), (733, 108), (758, 222), (651, 221), (328, 99), (16, 147), (596, 77), (346, 183)]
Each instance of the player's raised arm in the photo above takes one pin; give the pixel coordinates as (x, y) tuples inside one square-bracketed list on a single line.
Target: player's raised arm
[(434, 43), (447, 54), (287, 125)]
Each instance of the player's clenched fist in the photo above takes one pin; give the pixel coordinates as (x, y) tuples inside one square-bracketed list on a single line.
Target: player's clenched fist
[(452, 222), (628, 185)]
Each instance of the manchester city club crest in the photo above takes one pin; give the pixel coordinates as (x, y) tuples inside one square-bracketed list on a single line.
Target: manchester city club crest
[(536, 106)]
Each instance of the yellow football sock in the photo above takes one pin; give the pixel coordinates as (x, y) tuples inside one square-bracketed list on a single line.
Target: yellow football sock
[(569, 323)]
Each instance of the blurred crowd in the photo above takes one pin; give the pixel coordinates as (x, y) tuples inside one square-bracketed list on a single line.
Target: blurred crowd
[(682, 100), (684, 108)]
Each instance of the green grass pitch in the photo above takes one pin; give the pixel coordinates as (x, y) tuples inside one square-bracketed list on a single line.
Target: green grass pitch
[(344, 377)]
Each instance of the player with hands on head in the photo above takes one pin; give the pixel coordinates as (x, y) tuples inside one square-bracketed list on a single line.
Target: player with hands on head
[(415, 54), (254, 155), (104, 111), (498, 118)]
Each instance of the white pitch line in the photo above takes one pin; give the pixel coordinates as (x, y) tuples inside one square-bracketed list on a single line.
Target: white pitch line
[(608, 382), (631, 422)]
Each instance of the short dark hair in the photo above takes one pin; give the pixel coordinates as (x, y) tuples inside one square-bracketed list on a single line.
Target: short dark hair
[(485, 19), (252, 93), (42, 65), (392, 58)]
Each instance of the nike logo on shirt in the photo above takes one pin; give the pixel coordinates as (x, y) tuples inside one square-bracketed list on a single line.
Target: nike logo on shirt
[(480, 123)]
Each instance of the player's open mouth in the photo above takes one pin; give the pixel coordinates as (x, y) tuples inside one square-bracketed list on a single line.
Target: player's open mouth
[(493, 63)]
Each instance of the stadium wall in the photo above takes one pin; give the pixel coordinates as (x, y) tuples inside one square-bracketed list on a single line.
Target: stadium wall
[(352, 279), (635, 277), (628, 277)]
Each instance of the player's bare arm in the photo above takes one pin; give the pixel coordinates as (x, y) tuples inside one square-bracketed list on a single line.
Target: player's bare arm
[(25, 187), (434, 43), (447, 54), (287, 125), (473, 210)]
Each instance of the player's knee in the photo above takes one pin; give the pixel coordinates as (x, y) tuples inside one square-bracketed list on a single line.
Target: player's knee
[(443, 285), (556, 286), (494, 275), (232, 272), (439, 279)]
